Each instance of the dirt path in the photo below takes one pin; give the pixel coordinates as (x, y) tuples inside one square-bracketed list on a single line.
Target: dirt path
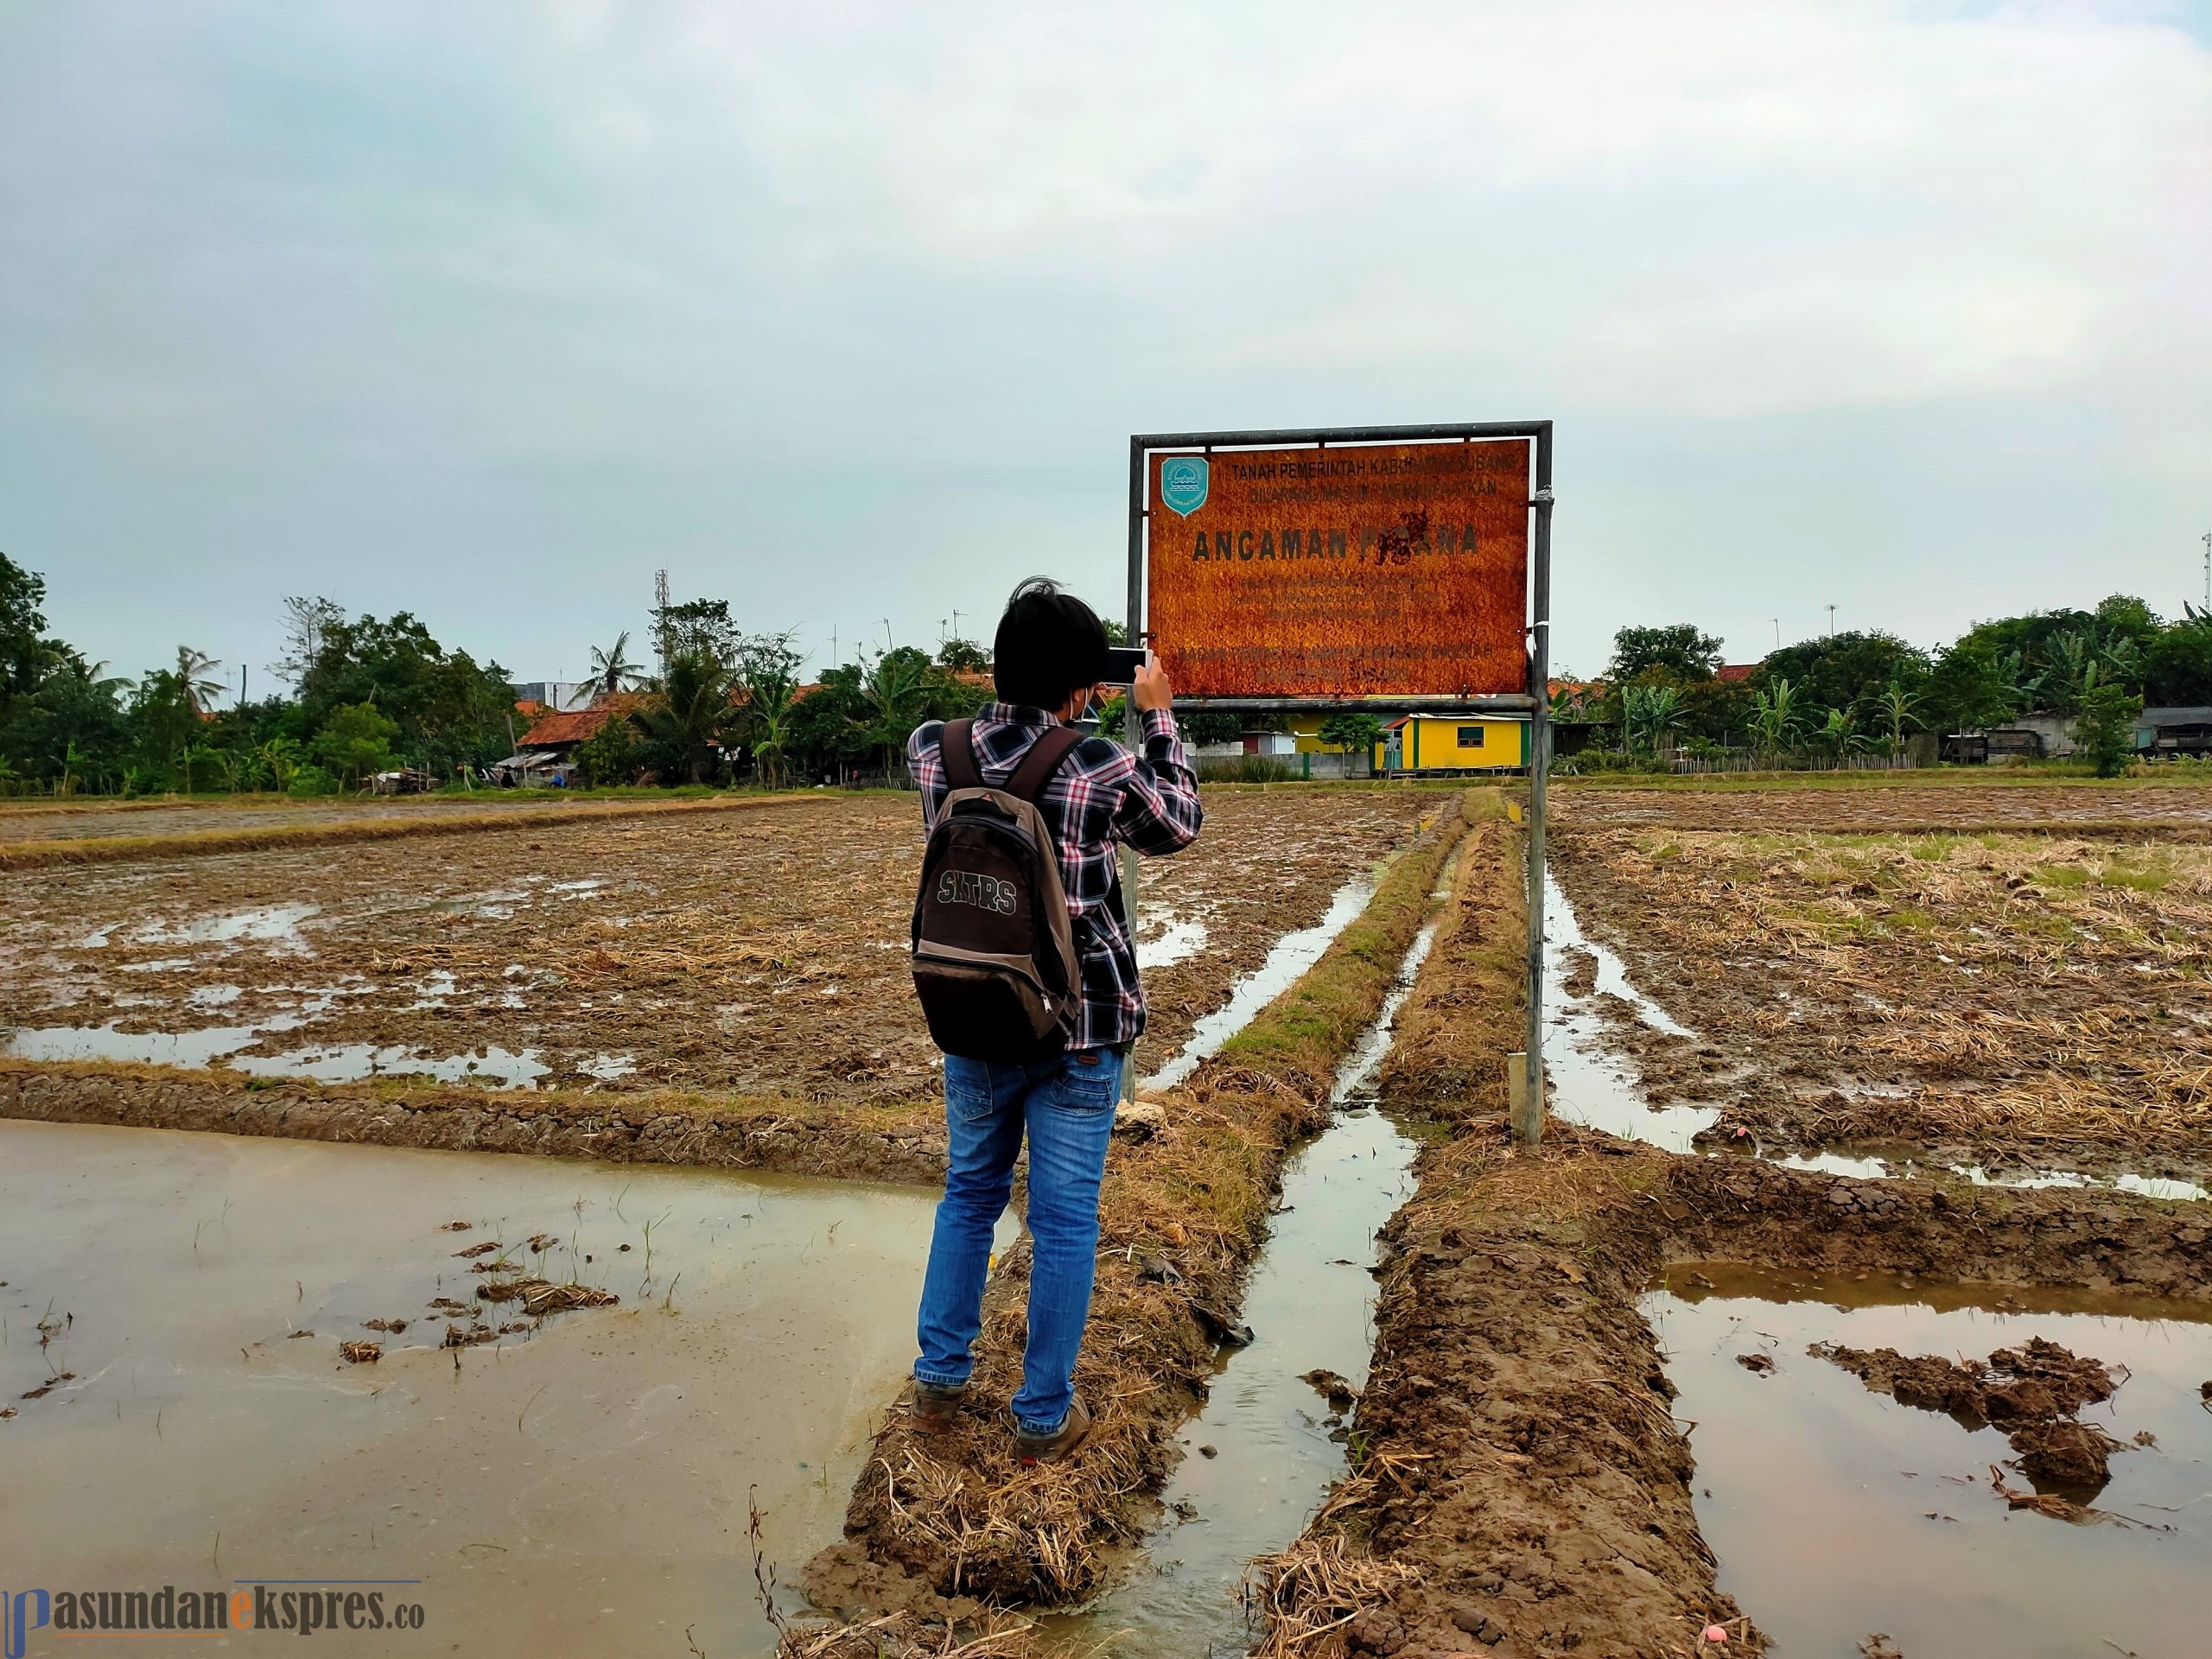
[(245, 829), (749, 952)]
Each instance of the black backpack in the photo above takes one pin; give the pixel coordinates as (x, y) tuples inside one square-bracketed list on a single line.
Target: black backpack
[(993, 951)]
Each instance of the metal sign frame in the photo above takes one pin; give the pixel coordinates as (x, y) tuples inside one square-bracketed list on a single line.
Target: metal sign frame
[(1534, 703)]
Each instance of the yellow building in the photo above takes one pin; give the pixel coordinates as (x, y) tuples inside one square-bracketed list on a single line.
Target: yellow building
[(1451, 743), (1431, 742)]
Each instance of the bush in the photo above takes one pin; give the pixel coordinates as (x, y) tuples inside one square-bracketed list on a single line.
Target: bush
[(2105, 727), (613, 754), (1247, 769), (312, 780), (356, 741)]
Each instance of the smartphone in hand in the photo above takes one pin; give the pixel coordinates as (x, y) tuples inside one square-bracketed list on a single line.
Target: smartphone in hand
[(1123, 662)]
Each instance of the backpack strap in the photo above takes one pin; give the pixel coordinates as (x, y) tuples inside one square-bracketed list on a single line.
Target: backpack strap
[(957, 748), (1044, 759)]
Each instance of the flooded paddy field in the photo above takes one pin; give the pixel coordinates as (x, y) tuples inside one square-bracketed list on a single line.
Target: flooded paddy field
[(1492, 1433), (751, 951), (1556, 1455), (1851, 1513), (1994, 1001), (177, 1410)]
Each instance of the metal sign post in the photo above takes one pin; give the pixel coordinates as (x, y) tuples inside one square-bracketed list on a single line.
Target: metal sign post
[(1328, 568)]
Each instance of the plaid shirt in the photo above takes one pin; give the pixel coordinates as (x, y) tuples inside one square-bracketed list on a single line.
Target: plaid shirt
[(1100, 794)]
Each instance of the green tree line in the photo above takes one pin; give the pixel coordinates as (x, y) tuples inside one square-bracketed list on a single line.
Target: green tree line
[(361, 695), (1868, 692)]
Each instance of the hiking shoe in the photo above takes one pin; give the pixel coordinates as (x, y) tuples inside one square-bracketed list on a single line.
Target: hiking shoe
[(937, 1406), (1031, 1449)]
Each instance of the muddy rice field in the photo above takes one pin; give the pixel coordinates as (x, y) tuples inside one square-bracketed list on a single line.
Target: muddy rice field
[(1857, 1300), (1986, 996), (761, 952), (1875, 802)]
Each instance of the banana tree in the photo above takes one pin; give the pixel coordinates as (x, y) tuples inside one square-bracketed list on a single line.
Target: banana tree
[(1834, 736), (767, 718), (278, 759), (1775, 720), (1650, 713), (1897, 709)]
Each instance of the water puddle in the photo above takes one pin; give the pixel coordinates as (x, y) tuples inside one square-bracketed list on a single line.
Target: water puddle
[(276, 924), (353, 1062), (1261, 1456), (208, 1047), (1904, 1165), (1292, 954), (1178, 940), (221, 1045), (581, 1489), (1837, 1512), (1591, 1079)]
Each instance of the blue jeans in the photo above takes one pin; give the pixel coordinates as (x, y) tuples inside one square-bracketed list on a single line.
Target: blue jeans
[(1066, 1105)]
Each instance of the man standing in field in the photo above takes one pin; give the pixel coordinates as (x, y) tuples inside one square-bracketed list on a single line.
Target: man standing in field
[(1050, 662)]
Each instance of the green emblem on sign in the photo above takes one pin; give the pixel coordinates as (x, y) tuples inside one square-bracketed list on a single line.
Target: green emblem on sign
[(1183, 483)]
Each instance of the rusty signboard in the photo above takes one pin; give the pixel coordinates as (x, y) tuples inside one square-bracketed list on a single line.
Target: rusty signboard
[(1359, 571), (1384, 566)]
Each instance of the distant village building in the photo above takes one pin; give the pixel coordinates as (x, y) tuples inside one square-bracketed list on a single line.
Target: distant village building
[(545, 755), (1423, 743), (2163, 730)]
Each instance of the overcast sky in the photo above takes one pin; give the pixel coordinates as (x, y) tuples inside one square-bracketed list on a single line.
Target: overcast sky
[(846, 311)]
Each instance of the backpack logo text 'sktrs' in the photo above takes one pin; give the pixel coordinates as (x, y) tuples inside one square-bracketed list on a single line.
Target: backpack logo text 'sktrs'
[(984, 891)]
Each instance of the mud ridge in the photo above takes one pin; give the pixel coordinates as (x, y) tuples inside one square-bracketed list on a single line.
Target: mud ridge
[(200, 843), (871, 1142)]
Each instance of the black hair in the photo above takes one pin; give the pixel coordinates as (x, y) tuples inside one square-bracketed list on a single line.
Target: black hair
[(1049, 643)]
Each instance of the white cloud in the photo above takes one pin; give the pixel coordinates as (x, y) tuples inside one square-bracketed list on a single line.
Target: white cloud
[(438, 294)]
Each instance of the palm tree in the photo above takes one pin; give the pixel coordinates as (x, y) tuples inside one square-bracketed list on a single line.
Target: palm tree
[(692, 711), (612, 671), (768, 718), (192, 670)]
